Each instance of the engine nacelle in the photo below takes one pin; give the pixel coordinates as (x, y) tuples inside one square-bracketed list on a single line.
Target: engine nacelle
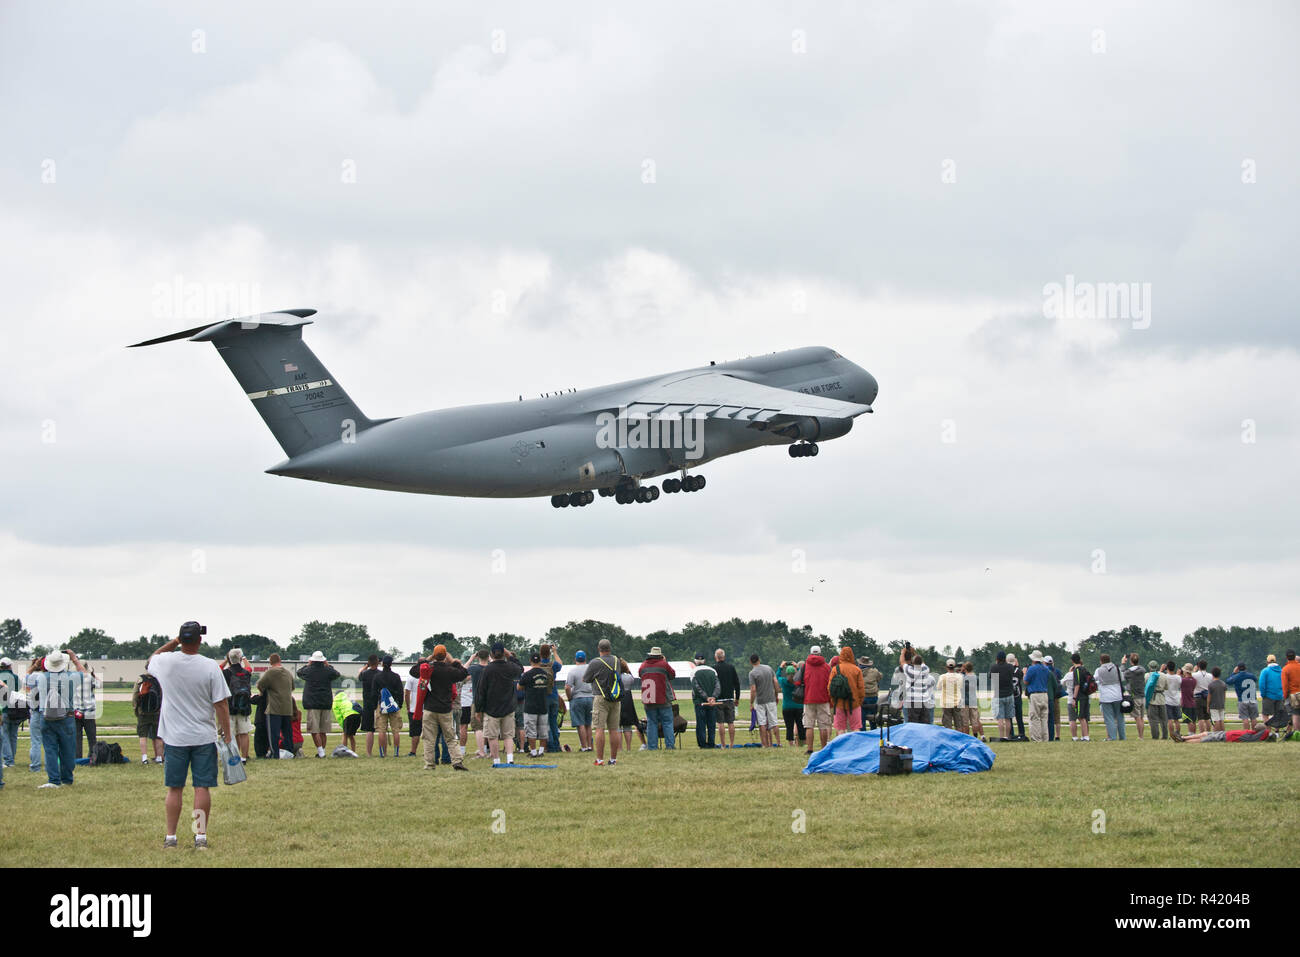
[(812, 429)]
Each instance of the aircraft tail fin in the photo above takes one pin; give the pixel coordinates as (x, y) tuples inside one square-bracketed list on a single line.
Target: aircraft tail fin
[(301, 403)]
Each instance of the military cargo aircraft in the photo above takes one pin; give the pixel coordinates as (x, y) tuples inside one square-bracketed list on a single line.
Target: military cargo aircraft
[(571, 446)]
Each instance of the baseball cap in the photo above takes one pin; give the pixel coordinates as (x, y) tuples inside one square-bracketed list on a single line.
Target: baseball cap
[(952, 663), (6, 663), (387, 660), (699, 656), (1048, 659), (535, 658), (815, 650), (581, 656), (1271, 659)]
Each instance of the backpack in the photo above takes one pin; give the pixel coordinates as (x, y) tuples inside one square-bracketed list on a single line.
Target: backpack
[(1086, 682), (101, 754), (150, 697), (387, 703), (241, 691), (840, 689), (798, 686), (615, 690), (18, 711)]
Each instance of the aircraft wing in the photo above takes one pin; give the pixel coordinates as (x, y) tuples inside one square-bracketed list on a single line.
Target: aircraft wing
[(717, 395)]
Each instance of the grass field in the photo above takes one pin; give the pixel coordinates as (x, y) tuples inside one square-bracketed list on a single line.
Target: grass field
[(693, 808)]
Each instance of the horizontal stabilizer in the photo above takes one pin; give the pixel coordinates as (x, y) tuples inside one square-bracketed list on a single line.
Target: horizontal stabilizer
[(213, 329)]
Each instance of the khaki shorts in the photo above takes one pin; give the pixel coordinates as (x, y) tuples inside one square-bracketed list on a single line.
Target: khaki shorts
[(768, 714), (973, 716), (817, 715), (318, 722), (1139, 708), (494, 728), (476, 721), (241, 724), (1217, 714), (605, 714), (388, 722)]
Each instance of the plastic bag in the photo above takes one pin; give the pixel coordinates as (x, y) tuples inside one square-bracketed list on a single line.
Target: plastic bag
[(232, 767)]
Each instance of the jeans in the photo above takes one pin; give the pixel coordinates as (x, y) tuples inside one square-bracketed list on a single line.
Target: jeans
[(658, 720), (279, 728), (793, 724), (1051, 720), (1112, 712), (869, 713), (35, 728), (1020, 716), (706, 726), (60, 749), (553, 725), (8, 742)]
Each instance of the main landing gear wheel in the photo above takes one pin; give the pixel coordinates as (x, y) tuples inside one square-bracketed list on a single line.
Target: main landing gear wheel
[(576, 499), (672, 485), (802, 449)]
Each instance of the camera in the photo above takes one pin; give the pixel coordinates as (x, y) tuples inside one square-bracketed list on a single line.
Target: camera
[(192, 631)]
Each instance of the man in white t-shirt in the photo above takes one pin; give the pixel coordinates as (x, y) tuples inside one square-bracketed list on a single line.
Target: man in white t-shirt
[(411, 690), (194, 689)]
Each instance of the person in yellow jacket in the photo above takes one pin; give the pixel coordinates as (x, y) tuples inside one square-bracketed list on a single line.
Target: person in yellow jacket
[(348, 714)]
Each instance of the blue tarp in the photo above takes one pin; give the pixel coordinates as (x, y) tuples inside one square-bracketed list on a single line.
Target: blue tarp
[(933, 749)]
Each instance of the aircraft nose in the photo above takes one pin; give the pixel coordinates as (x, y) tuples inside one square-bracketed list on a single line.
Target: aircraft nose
[(869, 387)]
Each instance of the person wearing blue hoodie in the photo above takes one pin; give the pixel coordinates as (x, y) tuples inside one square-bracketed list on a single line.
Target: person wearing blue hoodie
[(1270, 688), (1245, 685)]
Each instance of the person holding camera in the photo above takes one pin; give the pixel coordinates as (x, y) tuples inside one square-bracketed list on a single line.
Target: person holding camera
[(917, 686), (196, 690)]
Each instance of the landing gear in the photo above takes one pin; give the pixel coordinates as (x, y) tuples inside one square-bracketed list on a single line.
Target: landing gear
[(802, 449), (689, 483), (576, 499)]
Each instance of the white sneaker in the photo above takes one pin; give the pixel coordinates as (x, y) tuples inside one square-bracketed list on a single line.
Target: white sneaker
[(1086, 738), (644, 748), (157, 760), (144, 760), (47, 784)]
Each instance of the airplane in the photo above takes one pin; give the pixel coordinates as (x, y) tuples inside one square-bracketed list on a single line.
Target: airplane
[(570, 445)]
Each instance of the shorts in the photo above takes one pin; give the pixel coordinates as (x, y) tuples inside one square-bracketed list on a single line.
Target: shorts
[(1189, 714), (494, 728), (414, 725), (388, 722), (536, 726), (1082, 710), (726, 711), (1203, 708), (319, 721), (605, 714), (199, 760), (768, 715), (466, 714), (580, 712), (1271, 706), (953, 718), (519, 715), (1215, 736), (847, 720), (351, 725), (476, 720), (241, 724), (1247, 709), (817, 715), (1217, 714), (972, 716), (1139, 707), (146, 726), (368, 720), (1004, 709)]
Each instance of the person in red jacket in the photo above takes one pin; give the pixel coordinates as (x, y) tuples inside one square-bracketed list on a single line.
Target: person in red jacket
[(657, 696), (815, 676)]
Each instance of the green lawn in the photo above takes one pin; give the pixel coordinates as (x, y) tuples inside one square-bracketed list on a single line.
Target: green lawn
[(686, 808)]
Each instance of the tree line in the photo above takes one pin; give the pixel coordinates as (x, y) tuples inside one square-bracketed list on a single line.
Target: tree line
[(773, 641)]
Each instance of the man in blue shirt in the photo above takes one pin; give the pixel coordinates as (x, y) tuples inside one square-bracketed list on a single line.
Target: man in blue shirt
[(1245, 685), (1038, 682)]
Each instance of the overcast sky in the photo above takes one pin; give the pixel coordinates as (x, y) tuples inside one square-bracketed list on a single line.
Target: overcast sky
[(517, 198)]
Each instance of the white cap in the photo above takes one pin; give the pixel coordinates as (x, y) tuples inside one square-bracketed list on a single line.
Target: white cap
[(815, 650), (951, 663)]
